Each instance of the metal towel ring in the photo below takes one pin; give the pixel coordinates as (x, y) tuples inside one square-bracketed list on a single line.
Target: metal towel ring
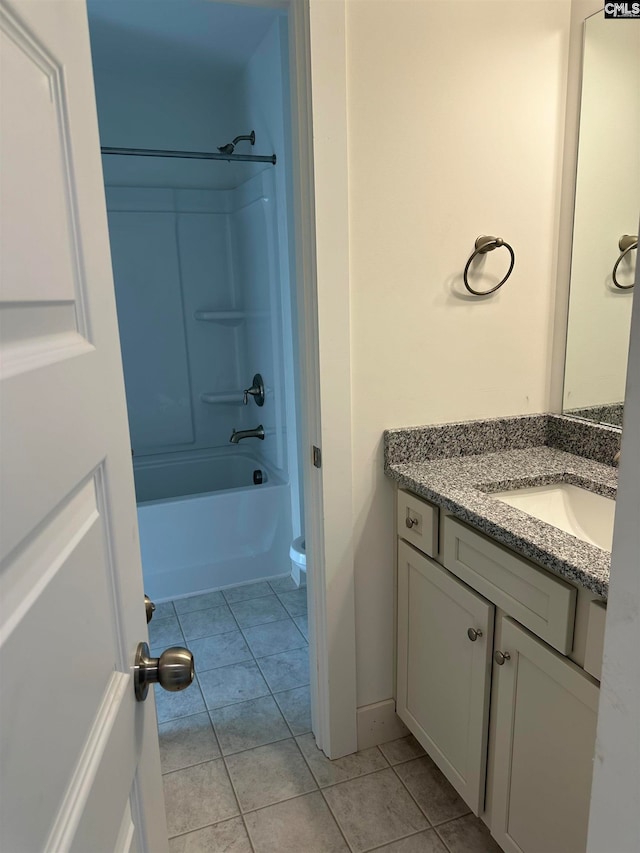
[(484, 245), (626, 243)]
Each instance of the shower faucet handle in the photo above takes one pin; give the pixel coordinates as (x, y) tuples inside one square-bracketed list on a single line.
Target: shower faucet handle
[(256, 391)]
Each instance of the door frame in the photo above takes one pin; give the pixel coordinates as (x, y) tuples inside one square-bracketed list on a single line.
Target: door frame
[(319, 169), (317, 56)]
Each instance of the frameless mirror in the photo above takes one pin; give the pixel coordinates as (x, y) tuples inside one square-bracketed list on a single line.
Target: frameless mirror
[(606, 209)]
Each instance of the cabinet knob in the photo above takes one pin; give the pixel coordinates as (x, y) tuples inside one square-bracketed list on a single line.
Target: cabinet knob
[(411, 522), (473, 634), (501, 657)]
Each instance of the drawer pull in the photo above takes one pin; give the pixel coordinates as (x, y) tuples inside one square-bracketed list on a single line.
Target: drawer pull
[(411, 522), (501, 657), (473, 634)]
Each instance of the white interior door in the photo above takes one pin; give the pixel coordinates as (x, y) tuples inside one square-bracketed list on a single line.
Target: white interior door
[(79, 758)]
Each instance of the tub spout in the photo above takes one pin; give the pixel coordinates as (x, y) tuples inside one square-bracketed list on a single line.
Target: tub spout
[(238, 435)]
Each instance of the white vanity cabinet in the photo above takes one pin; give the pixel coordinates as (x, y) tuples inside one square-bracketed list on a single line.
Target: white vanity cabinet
[(501, 710), (444, 676), (543, 740)]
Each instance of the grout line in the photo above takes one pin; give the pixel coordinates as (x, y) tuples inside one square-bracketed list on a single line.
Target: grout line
[(402, 782), (237, 799), (215, 823), (337, 822), (442, 841), (452, 819), (395, 840)]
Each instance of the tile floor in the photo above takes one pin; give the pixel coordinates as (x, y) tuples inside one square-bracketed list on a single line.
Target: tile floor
[(242, 772)]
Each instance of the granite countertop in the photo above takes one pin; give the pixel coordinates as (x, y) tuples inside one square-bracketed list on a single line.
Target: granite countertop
[(458, 466)]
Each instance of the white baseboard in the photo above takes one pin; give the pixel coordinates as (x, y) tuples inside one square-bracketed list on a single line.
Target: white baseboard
[(379, 723)]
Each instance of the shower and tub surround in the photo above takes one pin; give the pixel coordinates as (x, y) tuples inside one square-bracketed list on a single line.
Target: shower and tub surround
[(207, 521), (196, 315)]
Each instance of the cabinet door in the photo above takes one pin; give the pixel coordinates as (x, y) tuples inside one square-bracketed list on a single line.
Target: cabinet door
[(546, 710), (443, 675)]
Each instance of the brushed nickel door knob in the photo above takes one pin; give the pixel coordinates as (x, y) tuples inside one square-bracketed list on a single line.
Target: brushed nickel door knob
[(149, 607), (473, 634), (411, 522), (501, 657), (173, 670)]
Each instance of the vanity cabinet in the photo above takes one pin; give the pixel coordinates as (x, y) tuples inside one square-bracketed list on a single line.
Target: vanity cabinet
[(445, 635), (543, 743), (507, 717)]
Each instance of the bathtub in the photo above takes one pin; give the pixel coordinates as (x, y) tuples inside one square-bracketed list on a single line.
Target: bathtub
[(205, 525)]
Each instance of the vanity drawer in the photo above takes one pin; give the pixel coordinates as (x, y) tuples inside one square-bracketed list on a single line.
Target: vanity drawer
[(534, 597), (595, 639), (418, 522)]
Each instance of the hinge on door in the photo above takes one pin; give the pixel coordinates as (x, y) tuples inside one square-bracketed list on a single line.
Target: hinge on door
[(317, 457)]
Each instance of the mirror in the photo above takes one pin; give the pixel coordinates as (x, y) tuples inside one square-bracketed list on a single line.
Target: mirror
[(606, 208)]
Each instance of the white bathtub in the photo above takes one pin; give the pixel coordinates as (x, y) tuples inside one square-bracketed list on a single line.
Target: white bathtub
[(204, 524)]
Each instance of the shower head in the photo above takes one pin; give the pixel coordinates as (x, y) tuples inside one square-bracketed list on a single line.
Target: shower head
[(230, 146)]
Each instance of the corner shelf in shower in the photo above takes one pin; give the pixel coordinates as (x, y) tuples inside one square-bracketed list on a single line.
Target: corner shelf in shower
[(226, 318), (223, 398)]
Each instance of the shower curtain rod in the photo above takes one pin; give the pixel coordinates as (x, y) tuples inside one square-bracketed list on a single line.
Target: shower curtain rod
[(190, 155)]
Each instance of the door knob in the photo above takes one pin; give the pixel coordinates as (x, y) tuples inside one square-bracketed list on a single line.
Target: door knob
[(473, 634), (501, 657), (173, 670), (149, 607)]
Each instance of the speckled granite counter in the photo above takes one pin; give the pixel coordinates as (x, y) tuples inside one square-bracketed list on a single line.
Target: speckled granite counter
[(457, 466)]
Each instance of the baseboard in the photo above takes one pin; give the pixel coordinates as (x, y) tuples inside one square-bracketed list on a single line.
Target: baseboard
[(379, 723)]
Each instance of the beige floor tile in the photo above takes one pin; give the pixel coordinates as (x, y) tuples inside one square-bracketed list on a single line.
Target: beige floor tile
[(269, 774), (286, 670), (164, 609), (187, 741), (249, 724), (374, 810), (468, 835), (219, 650), (198, 796), (230, 836), (331, 772), (301, 825), (229, 684), (423, 842), (434, 794), (283, 584), (258, 611), (165, 632), (198, 602), (303, 625), (247, 591), (206, 623), (296, 708), (402, 749), (274, 637), (295, 601), (183, 703)]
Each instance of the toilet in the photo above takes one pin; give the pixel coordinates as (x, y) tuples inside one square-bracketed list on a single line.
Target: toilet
[(298, 556)]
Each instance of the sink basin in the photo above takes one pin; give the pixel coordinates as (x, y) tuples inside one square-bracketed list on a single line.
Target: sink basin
[(575, 510)]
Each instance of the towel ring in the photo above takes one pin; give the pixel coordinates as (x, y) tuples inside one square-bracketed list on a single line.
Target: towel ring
[(484, 245), (626, 243)]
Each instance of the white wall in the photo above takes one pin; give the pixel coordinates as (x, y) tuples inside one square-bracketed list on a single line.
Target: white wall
[(607, 196), (456, 125), (173, 108)]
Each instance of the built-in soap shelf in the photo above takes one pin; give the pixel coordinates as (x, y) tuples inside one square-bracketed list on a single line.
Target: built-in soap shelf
[(225, 318), (223, 398)]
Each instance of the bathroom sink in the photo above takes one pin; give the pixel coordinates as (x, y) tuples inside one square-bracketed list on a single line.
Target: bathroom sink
[(575, 510)]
